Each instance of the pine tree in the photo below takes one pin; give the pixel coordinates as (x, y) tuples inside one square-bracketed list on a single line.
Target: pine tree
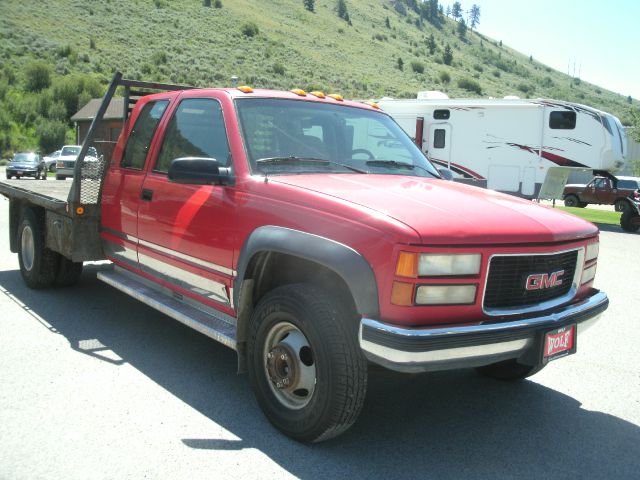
[(387, 23), (462, 28), (400, 64), (309, 5), (475, 16), (447, 56), (431, 44), (456, 11), (448, 11), (342, 11)]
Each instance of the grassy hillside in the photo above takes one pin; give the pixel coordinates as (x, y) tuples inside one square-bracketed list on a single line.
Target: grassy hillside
[(274, 43)]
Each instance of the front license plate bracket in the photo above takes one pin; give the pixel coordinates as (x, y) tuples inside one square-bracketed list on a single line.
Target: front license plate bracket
[(559, 342)]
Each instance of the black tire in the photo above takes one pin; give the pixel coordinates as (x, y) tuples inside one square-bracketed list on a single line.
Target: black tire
[(38, 265), (318, 338), (621, 205), (626, 219), (52, 167), (68, 272), (571, 201), (509, 370)]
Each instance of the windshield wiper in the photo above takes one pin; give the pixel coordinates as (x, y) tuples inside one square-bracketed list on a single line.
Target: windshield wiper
[(293, 160), (396, 164)]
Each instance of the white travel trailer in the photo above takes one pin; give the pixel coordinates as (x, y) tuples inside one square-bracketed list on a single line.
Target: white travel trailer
[(523, 147)]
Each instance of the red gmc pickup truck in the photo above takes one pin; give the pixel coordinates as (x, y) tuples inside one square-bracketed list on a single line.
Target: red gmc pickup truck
[(312, 236)]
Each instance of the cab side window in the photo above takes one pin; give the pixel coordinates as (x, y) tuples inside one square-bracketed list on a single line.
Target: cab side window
[(135, 152), (196, 130)]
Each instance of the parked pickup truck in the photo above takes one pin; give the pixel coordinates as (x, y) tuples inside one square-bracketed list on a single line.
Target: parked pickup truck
[(312, 236), (603, 191)]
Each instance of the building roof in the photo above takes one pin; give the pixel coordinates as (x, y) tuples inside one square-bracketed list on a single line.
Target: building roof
[(88, 112)]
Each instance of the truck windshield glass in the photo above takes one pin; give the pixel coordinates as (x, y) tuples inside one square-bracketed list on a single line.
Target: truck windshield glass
[(358, 139), (70, 151)]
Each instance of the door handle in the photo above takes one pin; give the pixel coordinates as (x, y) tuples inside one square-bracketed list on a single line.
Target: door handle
[(146, 194)]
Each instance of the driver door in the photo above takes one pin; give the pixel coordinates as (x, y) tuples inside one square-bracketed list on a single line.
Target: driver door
[(186, 232)]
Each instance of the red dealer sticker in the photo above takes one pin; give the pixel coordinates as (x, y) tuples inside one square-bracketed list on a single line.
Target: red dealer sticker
[(559, 342)]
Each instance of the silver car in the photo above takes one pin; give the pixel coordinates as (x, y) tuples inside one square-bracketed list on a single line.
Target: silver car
[(50, 160), (66, 162)]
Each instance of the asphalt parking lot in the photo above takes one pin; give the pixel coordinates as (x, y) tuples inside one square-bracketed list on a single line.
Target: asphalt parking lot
[(95, 385)]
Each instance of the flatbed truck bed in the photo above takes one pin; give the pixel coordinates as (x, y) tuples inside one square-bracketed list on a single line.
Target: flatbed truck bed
[(51, 195)]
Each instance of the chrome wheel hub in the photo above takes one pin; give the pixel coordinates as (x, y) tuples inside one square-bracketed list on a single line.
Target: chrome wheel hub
[(27, 248), (289, 365)]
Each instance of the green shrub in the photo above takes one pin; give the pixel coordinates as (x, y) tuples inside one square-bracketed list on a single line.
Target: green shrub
[(64, 51), (278, 68), (159, 58), (51, 134), (470, 85), (478, 68), (417, 66), (524, 88), (37, 76), (445, 77), (249, 29), (496, 73)]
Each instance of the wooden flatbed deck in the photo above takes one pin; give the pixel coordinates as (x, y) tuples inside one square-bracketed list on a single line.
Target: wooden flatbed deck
[(51, 194)]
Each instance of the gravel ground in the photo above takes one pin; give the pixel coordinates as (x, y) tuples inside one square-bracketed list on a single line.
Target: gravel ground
[(96, 385)]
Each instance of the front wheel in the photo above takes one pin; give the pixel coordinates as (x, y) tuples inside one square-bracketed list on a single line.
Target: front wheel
[(509, 370), (571, 201), (627, 221), (305, 365)]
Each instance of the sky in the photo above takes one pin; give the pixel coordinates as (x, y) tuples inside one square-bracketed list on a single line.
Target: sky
[(600, 37)]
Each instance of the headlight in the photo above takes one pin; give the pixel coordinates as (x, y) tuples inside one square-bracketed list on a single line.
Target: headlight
[(592, 251), (588, 274), (446, 294), (430, 264)]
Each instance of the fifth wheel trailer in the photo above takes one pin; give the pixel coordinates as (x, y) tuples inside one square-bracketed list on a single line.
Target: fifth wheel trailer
[(523, 147)]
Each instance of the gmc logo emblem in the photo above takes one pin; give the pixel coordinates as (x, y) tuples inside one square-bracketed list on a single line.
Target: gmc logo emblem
[(540, 281)]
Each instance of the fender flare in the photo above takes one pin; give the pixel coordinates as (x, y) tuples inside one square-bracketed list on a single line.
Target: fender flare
[(343, 260)]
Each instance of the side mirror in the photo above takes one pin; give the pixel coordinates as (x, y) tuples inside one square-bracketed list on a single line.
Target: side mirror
[(446, 173), (199, 171)]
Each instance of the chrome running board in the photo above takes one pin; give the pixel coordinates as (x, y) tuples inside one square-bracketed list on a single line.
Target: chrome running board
[(218, 326)]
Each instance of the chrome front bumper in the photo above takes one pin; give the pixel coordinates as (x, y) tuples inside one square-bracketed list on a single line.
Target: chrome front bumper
[(443, 348)]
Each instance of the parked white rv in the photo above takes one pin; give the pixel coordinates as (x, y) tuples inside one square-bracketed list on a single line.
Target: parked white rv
[(523, 147)]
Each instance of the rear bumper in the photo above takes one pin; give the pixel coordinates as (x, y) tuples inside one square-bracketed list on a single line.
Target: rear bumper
[(443, 348)]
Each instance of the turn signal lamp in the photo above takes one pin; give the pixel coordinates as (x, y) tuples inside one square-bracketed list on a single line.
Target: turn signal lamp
[(318, 94), (245, 89), (335, 96), (80, 210), (402, 294), (407, 265), (373, 104), (299, 92)]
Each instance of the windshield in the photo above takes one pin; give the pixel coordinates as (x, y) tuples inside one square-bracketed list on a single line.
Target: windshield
[(70, 151), (292, 136), (25, 158)]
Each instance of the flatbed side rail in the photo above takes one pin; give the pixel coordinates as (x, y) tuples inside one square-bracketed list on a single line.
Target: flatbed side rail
[(89, 172)]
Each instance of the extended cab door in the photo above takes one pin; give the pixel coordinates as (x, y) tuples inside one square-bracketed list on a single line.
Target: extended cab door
[(186, 232), (121, 193)]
